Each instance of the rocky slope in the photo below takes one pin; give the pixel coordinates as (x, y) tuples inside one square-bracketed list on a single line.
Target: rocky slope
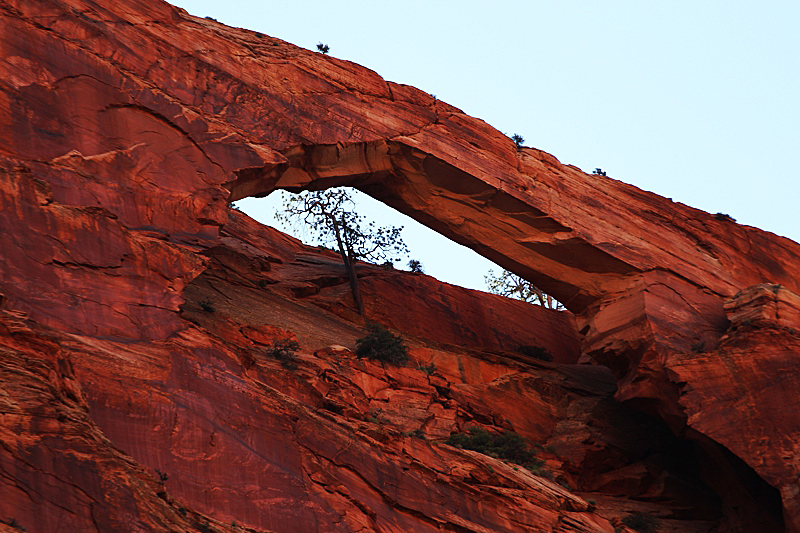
[(326, 442), (128, 127)]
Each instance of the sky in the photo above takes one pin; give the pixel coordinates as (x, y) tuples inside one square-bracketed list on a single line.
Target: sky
[(697, 101)]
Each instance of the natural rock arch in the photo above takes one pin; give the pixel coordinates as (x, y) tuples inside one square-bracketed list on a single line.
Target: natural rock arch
[(642, 306), (120, 154), (458, 205), (625, 261)]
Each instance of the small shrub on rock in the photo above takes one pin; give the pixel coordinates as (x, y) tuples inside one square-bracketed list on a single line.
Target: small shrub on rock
[(428, 369), (207, 305), (14, 524), (508, 446), (382, 345), (537, 352), (417, 434), (376, 417), (724, 217), (204, 527), (284, 351)]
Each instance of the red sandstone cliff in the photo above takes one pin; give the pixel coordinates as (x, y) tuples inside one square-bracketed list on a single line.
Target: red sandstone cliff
[(127, 130)]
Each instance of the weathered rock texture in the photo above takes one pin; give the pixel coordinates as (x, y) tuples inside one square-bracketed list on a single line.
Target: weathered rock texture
[(129, 126)]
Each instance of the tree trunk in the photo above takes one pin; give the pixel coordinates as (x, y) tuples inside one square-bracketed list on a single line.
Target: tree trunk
[(350, 267), (355, 288)]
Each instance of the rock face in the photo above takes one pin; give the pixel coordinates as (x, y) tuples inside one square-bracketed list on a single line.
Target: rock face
[(127, 130)]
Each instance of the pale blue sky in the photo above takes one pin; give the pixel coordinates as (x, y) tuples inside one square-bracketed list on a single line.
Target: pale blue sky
[(693, 100)]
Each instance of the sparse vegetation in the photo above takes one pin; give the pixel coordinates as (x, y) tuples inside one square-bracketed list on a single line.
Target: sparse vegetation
[(12, 522), (207, 305), (698, 346), (510, 285), (599, 172), (375, 416), (508, 446), (162, 476), (724, 217), (382, 345), (284, 351), (415, 266), (417, 434), (324, 48), (428, 369), (537, 352), (642, 522), (518, 140)]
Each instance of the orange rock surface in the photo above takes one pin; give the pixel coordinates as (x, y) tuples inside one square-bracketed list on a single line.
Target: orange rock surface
[(128, 128)]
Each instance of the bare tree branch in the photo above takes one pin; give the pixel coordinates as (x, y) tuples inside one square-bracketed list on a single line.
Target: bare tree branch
[(510, 285)]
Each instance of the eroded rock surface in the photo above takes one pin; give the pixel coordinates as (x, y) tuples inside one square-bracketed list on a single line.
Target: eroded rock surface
[(127, 129), (329, 442)]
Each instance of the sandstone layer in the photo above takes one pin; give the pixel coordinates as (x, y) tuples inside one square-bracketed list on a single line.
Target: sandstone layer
[(129, 127)]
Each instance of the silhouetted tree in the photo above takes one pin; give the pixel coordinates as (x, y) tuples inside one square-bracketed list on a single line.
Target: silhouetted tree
[(510, 285), (330, 215)]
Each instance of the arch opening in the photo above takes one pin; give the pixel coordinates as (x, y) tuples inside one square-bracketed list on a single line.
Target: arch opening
[(637, 301), (481, 213)]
